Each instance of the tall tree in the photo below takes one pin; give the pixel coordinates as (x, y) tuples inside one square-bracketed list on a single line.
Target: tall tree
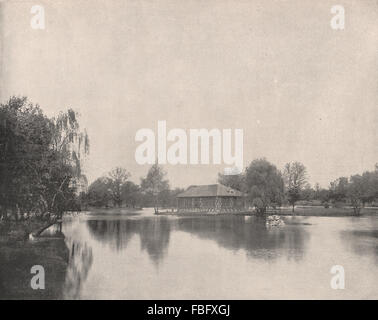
[(131, 194), (295, 177), (264, 184), (236, 181), (155, 183), (99, 192), (369, 187), (355, 192), (338, 189), (69, 145), (24, 140), (118, 177)]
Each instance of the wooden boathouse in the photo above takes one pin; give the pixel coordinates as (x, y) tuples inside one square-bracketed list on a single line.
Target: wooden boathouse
[(214, 198)]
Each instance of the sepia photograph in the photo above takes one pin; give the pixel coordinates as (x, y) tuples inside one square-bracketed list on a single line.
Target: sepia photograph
[(188, 150)]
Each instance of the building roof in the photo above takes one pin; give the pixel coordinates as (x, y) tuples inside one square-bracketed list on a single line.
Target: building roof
[(211, 190)]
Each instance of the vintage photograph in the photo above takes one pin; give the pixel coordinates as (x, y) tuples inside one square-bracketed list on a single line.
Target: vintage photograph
[(188, 150)]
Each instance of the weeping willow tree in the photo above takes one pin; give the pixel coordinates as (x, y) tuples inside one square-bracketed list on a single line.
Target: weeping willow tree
[(40, 159), (69, 146)]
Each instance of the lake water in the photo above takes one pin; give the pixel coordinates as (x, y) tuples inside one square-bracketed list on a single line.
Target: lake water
[(160, 257)]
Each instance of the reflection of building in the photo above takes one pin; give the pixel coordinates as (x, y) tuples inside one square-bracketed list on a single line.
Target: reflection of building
[(215, 198)]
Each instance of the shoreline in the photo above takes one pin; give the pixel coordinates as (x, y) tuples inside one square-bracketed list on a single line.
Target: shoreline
[(305, 211), (20, 230)]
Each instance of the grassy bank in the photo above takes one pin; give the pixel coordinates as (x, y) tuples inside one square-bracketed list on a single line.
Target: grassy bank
[(315, 211), (327, 212), (18, 257), (19, 230), (114, 211)]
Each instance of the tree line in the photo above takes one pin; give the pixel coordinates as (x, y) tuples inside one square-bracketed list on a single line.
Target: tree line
[(267, 186), (264, 185), (116, 190)]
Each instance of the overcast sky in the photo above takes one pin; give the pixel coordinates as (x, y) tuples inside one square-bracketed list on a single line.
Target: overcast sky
[(300, 90)]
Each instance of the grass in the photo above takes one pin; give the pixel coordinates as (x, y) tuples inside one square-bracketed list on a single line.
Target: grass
[(19, 230), (315, 211), (327, 212), (18, 255), (114, 211), (17, 259)]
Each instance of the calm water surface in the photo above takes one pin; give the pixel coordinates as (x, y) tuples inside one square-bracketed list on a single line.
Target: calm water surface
[(161, 257)]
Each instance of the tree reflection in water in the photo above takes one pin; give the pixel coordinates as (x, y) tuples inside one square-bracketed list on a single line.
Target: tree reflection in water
[(80, 262), (154, 233), (250, 234), (231, 232)]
